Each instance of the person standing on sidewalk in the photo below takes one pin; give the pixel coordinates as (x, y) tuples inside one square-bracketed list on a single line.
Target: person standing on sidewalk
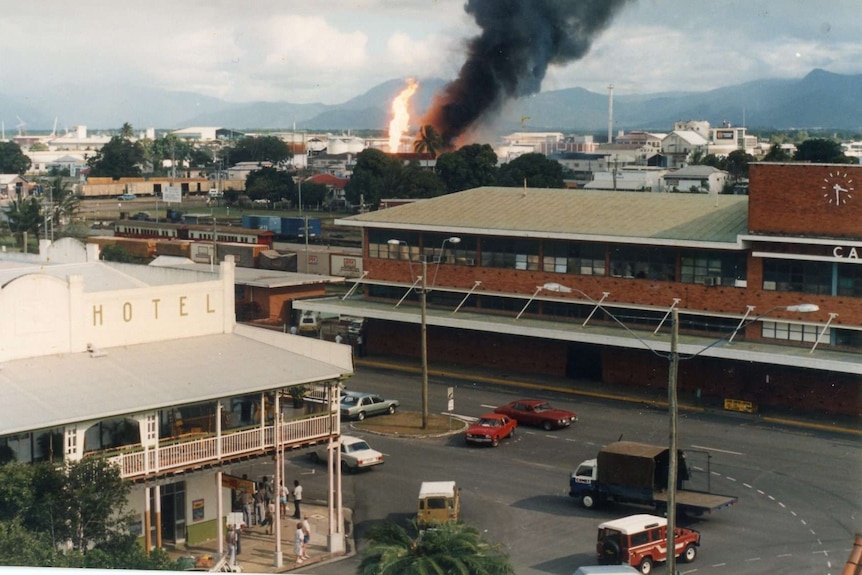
[(297, 543), (247, 508), (297, 499), (231, 545)]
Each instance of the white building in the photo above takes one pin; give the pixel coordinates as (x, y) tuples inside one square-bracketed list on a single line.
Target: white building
[(147, 366), (698, 179)]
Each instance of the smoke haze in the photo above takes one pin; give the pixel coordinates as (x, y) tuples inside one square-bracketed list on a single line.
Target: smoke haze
[(509, 59)]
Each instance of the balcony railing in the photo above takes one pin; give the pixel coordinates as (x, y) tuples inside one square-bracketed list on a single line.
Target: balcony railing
[(150, 461)]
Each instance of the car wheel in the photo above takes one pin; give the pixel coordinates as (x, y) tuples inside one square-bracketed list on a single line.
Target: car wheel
[(588, 500), (495, 441), (512, 433), (360, 416), (345, 468), (547, 426), (689, 554), (646, 566), (391, 409)]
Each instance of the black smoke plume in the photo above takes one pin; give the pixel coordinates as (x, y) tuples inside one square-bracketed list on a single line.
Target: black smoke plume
[(509, 59)]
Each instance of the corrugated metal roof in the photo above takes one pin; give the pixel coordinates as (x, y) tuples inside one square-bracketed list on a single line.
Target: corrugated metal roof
[(678, 218), (44, 392)]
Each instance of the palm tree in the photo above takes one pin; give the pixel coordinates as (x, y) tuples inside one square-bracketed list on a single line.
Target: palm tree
[(24, 216), (428, 141), (447, 549), (65, 203)]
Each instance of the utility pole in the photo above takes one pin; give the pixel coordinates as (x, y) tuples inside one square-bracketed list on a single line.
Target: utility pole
[(423, 299), (673, 369), (610, 113)]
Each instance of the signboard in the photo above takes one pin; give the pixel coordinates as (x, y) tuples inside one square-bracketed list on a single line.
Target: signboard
[(450, 397), (172, 194), (198, 509)]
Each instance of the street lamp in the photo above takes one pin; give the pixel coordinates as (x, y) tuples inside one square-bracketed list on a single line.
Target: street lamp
[(673, 372)]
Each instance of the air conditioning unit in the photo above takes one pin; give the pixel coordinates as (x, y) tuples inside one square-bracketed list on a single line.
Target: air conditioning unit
[(712, 281)]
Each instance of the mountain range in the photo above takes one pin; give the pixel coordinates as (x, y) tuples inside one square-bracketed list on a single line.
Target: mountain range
[(821, 99)]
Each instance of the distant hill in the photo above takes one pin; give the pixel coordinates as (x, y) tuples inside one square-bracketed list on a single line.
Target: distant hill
[(819, 100)]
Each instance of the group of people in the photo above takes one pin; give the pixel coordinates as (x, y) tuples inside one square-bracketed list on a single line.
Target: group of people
[(259, 508)]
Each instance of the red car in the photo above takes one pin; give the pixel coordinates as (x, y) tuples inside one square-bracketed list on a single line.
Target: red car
[(537, 412), (490, 429)]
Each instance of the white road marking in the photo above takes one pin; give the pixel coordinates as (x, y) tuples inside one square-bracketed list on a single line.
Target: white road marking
[(747, 485), (731, 479), (754, 559), (717, 450), (488, 406)]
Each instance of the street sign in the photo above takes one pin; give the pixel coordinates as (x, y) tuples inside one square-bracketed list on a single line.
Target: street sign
[(450, 397)]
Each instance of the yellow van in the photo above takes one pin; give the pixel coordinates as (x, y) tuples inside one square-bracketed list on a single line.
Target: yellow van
[(439, 502)]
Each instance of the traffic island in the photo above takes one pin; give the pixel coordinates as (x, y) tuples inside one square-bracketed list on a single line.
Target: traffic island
[(409, 424)]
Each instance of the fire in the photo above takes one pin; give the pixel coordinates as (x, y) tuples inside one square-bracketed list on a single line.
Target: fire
[(400, 116)]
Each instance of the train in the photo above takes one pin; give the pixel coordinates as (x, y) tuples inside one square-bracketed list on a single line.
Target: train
[(191, 232)]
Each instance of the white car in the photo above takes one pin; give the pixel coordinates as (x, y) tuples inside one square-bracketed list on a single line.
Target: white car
[(355, 454)]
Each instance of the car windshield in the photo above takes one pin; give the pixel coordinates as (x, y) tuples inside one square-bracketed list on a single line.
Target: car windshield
[(358, 446), (488, 422)]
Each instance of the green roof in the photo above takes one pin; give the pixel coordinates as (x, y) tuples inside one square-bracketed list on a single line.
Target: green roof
[(629, 217)]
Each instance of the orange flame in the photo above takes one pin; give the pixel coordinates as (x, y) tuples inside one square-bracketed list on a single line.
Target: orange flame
[(400, 116)]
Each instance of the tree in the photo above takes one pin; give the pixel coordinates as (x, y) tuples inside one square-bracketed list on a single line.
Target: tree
[(117, 159), (428, 141), (313, 194), (44, 506), (736, 164), (269, 184), (533, 170), (416, 182), (127, 132), (821, 151), (65, 203), (374, 176), (114, 253), (448, 549), (24, 216), (260, 149), (168, 152), (777, 154), (12, 159), (468, 167)]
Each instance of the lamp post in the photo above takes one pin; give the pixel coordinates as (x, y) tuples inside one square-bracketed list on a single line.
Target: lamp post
[(672, 378), (423, 306)]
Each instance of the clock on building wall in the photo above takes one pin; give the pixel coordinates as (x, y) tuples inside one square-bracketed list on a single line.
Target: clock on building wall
[(837, 188)]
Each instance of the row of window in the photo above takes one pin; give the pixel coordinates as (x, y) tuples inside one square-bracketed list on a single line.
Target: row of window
[(655, 263)]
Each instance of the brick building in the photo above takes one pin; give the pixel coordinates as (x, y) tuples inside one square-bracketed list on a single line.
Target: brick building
[(580, 284)]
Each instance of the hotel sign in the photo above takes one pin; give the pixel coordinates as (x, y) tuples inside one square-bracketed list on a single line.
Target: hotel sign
[(154, 309)]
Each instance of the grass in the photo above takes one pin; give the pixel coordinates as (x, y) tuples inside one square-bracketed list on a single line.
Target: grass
[(409, 424)]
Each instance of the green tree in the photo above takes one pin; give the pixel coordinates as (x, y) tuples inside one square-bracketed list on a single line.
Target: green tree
[(736, 164), (448, 549), (821, 151), (374, 177), (428, 141), (12, 159), (414, 181), (168, 151), (777, 154), (113, 253), (259, 149), (468, 167), (270, 184), (313, 194), (118, 158), (533, 170), (24, 216), (65, 203)]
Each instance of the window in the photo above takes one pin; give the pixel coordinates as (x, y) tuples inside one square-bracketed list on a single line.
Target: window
[(573, 258), (702, 267), (643, 263), (510, 253), (849, 280), (793, 332), (637, 539), (379, 246), (797, 276)]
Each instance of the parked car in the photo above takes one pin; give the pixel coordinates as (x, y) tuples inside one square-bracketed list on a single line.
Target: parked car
[(490, 429), (361, 405), (537, 412), (641, 541), (355, 454), (127, 197), (439, 502), (141, 216)]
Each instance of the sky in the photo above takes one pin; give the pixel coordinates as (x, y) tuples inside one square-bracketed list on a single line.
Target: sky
[(329, 51)]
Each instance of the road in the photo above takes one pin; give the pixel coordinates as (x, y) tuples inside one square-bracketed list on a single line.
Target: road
[(800, 498)]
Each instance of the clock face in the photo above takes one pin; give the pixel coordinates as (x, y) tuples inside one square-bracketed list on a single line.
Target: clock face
[(837, 188)]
